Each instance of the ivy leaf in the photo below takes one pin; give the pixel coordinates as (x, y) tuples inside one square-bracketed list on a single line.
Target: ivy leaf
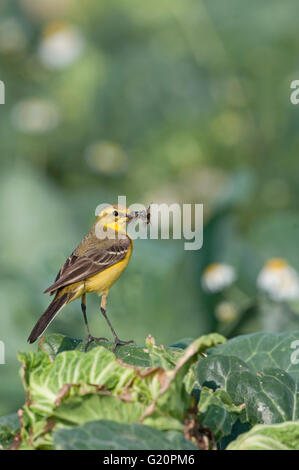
[(269, 397), (110, 435), (217, 411), (284, 436), (264, 350), (56, 343)]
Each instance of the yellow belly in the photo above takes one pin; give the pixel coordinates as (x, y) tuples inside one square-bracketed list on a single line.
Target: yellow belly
[(99, 283), (102, 282)]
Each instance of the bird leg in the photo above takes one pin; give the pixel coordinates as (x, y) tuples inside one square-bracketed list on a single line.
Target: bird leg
[(90, 338), (117, 341)]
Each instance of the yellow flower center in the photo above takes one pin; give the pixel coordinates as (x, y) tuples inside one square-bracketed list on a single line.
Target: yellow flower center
[(276, 263), (212, 267)]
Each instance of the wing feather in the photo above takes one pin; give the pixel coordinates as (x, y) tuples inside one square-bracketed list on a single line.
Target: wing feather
[(94, 261)]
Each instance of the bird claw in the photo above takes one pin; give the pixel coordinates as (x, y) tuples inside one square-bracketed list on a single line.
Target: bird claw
[(90, 339), (119, 342)]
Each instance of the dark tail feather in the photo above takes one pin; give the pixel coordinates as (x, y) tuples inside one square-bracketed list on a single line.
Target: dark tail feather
[(47, 317)]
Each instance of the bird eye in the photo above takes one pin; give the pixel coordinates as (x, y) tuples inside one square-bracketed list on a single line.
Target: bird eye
[(115, 213)]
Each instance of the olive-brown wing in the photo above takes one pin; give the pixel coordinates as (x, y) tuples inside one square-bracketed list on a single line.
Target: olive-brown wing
[(94, 261)]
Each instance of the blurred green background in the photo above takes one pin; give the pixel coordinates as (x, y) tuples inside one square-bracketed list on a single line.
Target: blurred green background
[(174, 101)]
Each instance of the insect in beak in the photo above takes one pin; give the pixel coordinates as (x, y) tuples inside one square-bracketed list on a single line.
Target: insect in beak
[(132, 215), (148, 215), (145, 215)]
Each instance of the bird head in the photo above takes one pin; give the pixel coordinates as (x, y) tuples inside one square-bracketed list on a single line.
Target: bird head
[(115, 218)]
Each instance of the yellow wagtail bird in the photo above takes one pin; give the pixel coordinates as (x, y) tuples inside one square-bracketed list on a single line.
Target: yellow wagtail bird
[(94, 266)]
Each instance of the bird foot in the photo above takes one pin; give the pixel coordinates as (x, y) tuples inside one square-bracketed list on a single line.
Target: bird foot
[(119, 342), (90, 339)]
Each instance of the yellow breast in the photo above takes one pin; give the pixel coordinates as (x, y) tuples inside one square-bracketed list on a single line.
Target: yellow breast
[(102, 282)]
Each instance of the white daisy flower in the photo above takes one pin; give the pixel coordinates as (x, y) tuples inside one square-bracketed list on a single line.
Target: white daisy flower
[(217, 276), (279, 280), (61, 46), (35, 116)]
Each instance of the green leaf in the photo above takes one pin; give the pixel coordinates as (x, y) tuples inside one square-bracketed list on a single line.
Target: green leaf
[(161, 356), (110, 435), (208, 341), (264, 350), (6, 437), (130, 354), (182, 343), (56, 343), (12, 421), (71, 387), (217, 411), (9, 425), (269, 397), (77, 410), (44, 378), (172, 395), (284, 436)]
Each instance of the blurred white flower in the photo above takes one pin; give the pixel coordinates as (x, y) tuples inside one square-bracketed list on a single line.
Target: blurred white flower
[(60, 46), (217, 276), (106, 157), (226, 312), (35, 115), (279, 280)]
